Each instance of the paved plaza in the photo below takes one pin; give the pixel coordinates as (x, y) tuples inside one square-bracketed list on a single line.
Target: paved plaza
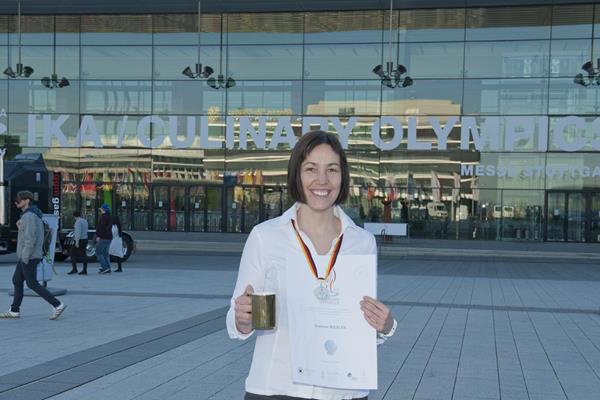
[(468, 328)]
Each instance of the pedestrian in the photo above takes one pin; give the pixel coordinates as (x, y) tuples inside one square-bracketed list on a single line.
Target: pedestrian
[(80, 242), (103, 239), (30, 239), (318, 180), (116, 246)]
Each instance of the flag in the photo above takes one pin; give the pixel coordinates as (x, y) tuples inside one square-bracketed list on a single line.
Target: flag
[(436, 187), (475, 188), (456, 189)]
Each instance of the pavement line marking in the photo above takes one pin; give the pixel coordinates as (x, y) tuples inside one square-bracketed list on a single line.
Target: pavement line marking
[(68, 372), (495, 308)]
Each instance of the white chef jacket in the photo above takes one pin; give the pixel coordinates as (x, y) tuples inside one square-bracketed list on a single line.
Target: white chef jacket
[(262, 266)]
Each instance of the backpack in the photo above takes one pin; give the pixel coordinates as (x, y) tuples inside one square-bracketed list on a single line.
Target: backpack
[(47, 238)]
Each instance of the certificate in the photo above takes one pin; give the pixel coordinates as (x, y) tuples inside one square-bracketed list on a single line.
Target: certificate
[(332, 345)]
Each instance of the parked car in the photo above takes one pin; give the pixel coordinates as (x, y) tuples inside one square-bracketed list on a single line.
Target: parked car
[(437, 210)]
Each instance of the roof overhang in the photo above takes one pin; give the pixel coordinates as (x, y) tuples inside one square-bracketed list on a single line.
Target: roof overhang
[(213, 6)]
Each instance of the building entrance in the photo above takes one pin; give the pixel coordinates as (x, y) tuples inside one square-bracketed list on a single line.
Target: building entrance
[(573, 216)]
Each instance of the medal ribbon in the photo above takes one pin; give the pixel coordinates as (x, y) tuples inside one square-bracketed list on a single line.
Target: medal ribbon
[(309, 257)]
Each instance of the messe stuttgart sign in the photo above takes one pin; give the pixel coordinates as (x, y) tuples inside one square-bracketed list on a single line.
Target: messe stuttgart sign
[(488, 134)]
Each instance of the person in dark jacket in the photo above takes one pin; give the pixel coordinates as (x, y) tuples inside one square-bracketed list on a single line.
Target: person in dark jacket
[(103, 238), (29, 253), (116, 221), (80, 242)]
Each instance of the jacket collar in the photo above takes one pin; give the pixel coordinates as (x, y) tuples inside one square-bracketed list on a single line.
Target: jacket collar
[(292, 213)]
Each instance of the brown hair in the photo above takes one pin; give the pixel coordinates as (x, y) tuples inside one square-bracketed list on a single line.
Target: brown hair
[(305, 145), (25, 194)]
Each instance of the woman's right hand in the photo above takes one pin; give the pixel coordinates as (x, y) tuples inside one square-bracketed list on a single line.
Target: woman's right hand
[(243, 311)]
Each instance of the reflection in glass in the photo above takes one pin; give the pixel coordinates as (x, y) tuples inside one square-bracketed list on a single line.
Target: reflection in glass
[(264, 62), (507, 59), (522, 214), (41, 59), (160, 207), (572, 170), (169, 61), (123, 194), (264, 98), (509, 23), (197, 207), (141, 213), (342, 97), (214, 205), (567, 98), (116, 62), (19, 128), (572, 21), (576, 217), (555, 216), (182, 29), (326, 61), (505, 96), (432, 60), (425, 97), (116, 97), (595, 220), (567, 57), (191, 97), (30, 96)]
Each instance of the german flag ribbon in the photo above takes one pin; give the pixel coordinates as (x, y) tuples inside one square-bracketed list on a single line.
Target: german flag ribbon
[(309, 257)]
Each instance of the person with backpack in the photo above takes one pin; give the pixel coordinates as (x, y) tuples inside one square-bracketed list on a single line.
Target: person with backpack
[(30, 243), (103, 239), (80, 242)]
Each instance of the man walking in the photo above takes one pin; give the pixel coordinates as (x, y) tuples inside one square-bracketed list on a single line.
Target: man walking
[(103, 239), (30, 239), (80, 238)]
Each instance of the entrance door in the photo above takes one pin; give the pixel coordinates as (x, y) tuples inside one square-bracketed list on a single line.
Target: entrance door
[(197, 207), (272, 202), (573, 216), (177, 208), (214, 209), (160, 207)]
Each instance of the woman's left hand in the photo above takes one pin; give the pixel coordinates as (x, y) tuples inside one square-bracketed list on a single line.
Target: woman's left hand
[(377, 314)]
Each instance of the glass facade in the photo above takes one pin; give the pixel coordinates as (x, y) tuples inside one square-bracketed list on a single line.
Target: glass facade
[(493, 140)]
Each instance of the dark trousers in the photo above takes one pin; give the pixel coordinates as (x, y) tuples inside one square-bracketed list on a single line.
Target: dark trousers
[(79, 252), (252, 396), (27, 273)]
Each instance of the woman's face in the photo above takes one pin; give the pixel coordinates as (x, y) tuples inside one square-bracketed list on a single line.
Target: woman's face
[(321, 176)]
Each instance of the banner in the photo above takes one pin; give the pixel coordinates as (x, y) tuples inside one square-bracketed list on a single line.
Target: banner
[(45, 267)]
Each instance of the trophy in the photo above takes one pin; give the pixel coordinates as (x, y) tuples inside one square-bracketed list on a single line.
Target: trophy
[(263, 311)]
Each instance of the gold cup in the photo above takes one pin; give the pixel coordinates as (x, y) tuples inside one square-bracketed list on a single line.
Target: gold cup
[(263, 311)]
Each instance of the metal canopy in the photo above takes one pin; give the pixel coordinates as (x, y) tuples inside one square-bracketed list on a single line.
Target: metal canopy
[(212, 6)]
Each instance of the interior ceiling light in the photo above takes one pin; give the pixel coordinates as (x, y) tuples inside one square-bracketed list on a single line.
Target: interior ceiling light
[(199, 71), (221, 82), (593, 74), (392, 76), (21, 71), (53, 81)]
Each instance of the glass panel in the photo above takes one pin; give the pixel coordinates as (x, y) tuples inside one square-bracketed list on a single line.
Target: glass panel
[(170, 61), (576, 217), (255, 28), (141, 212), (522, 214), (506, 59), (160, 208), (192, 97), (346, 61), (113, 131), (35, 29), (505, 96), (214, 207), (511, 170), (197, 198), (251, 206), (116, 62), (116, 97), (567, 57), (30, 96), (572, 170), (595, 220), (67, 29), (343, 27), (572, 21), (177, 209), (424, 97), (234, 200), (255, 167), (342, 97), (178, 29), (509, 23), (265, 98), (248, 62), (89, 200), (68, 199), (272, 202), (423, 60), (122, 206), (41, 132), (556, 216), (432, 25), (116, 29), (40, 58), (568, 98), (574, 133)]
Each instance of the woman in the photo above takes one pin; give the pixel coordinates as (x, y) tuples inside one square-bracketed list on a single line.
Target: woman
[(318, 180), (116, 246)]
